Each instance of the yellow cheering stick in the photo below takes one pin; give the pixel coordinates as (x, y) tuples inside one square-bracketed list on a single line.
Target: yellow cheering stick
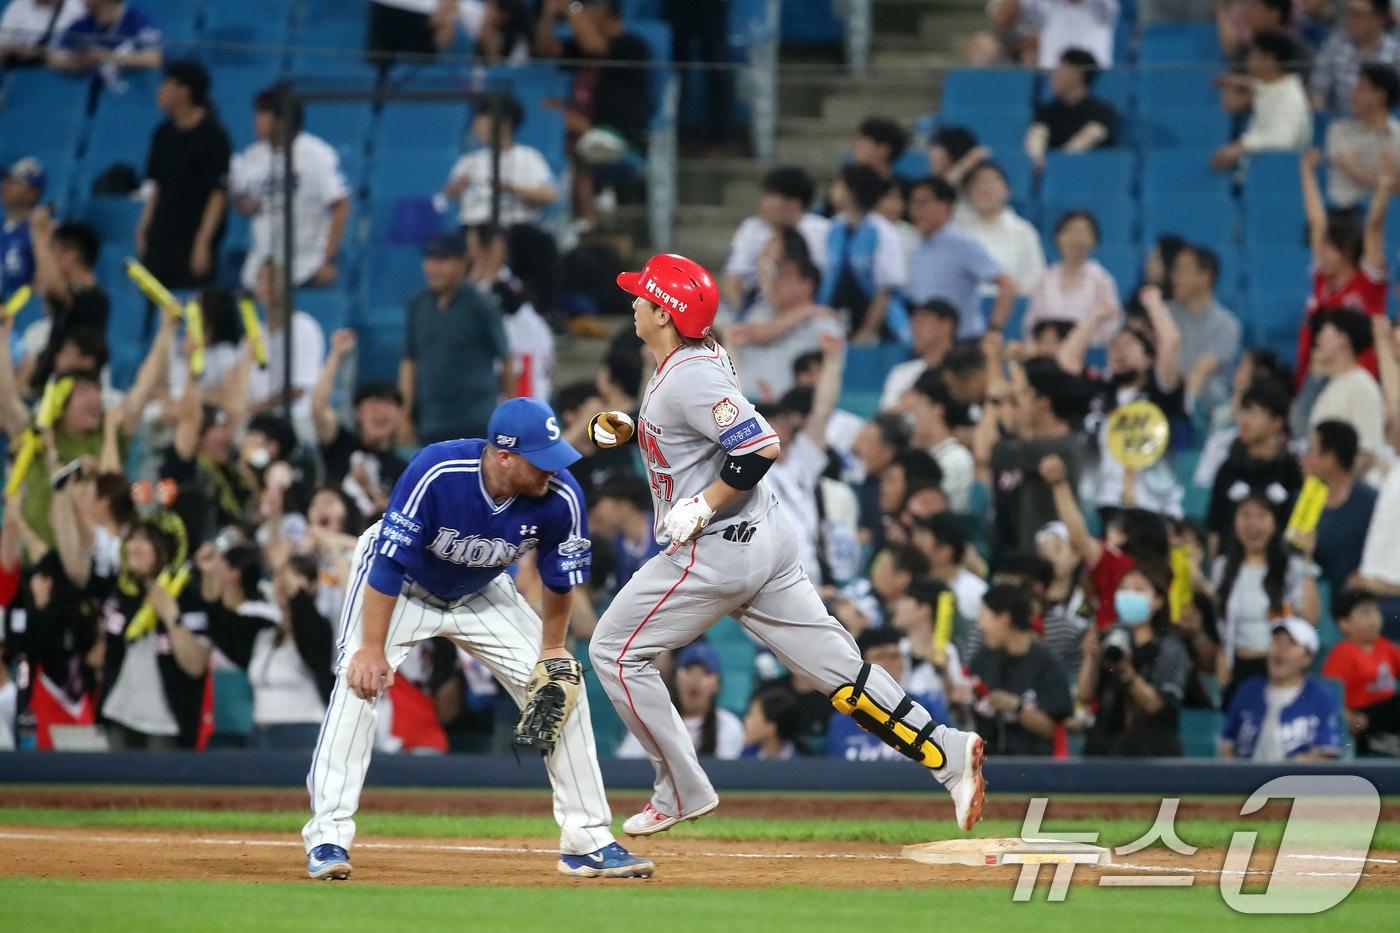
[(16, 302), (1181, 587), (942, 627), (174, 581), (150, 285), (252, 329), (56, 393), (194, 326), (1307, 511)]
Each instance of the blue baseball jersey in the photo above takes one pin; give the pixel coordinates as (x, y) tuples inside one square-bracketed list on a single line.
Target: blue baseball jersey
[(443, 531), (1312, 722), (16, 256)]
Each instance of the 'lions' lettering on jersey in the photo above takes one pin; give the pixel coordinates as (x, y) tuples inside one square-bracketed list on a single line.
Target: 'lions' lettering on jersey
[(443, 531)]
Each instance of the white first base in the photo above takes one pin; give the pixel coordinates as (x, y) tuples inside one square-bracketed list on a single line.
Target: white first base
[(993, 852)]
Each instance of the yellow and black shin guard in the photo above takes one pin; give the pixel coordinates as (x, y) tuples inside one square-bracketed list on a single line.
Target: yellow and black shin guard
[(888, 725)]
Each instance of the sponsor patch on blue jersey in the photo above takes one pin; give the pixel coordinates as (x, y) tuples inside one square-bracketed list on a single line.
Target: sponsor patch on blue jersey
[(736, 435)]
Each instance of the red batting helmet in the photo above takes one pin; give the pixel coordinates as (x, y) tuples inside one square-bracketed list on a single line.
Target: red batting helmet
[(680, 286)]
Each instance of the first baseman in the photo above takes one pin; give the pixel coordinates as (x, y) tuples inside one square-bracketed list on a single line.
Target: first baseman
[(731, 551), (458, 517)]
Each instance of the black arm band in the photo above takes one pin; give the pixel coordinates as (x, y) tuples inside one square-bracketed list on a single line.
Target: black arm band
[(744, 472)]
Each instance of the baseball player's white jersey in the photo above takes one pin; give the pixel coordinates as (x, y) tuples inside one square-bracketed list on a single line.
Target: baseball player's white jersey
[(746, 565), (448, 544)]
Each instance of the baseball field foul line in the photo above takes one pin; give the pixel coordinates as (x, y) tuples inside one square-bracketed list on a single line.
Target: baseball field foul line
[(518, 850)]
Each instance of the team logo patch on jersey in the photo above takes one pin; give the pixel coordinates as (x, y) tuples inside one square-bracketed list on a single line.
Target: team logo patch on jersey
[(573, 546), (725, 413)]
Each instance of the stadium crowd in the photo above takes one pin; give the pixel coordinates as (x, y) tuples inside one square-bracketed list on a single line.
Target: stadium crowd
[(175, 557)]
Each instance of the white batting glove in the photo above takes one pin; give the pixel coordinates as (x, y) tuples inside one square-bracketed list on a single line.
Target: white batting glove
[(686, 519)]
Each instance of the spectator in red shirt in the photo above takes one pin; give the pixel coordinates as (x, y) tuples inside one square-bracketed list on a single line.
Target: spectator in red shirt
[(1131, 537), (1349, 267), (1366, 663)]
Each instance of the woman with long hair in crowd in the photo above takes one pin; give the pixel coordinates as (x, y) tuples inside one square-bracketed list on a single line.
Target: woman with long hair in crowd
[(1256, 582), (154, 677)]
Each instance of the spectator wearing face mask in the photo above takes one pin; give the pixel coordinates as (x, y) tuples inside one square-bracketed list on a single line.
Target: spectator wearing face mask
[(1134, 675)]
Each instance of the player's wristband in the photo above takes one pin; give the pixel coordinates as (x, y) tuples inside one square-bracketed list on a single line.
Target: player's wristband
[(744, 471)]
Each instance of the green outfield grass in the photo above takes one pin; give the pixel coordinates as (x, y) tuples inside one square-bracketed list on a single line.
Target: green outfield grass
[(308, 908), (1113, 832)]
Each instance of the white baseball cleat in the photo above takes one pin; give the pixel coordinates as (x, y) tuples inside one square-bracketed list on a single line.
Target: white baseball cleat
[(965, 781), (652, 821)]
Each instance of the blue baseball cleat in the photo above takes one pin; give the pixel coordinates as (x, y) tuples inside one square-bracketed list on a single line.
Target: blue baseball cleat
[(611, 861), (328, 863)]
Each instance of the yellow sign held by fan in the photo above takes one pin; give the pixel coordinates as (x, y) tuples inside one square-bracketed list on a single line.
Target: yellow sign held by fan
[(194, 326), (1138, 434), (150, 286), (1307, 510), (1182, 589), (174, 580), (16, 302), (252, 330), (942, 627)]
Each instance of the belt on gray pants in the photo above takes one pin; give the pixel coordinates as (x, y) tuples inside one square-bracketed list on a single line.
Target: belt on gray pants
[(417, 591)]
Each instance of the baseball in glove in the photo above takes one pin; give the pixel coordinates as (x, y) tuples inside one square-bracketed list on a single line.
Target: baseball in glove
[(611, 429), (549, 699)]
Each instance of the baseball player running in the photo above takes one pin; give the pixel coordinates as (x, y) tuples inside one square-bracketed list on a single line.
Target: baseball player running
[(463, 512), (731, 551)]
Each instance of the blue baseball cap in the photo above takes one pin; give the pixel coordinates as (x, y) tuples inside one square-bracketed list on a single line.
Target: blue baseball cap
[(30, 171), (528, 427), (702, 653)]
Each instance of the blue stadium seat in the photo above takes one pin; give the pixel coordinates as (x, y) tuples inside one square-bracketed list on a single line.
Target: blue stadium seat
[(1200, 733), (392, 274), (1020, 176), (235, 86), (396, 176), (44, 109), (1102, 170), (1275, 218), (233, 31), (1123, 263), (866, 366), (997, 89), (912, 164), (413, 128), (1186, 171), (380, 346), (415, 220), (1205, 219), (331, 307), (1115, 214), (177, 19), (656, 34), (1272, 172), (1178, 88), (115, 220), (233, 705), (1174, 43), (345, 125), (1159, 129), (121, 129)]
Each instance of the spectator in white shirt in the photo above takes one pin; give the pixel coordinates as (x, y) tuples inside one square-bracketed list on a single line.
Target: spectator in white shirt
[(936, 413), (782, 202), (1351, 395), (29, 27), (500, 29), (308, 353), (1076, 286), (527, 332), (1281, 117), (1358, 146), (934, 324), (783, 323), (1067, 24), (986, 215), (527, 184), (321, 202)]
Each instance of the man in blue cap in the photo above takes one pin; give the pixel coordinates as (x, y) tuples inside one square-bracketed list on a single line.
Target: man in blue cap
[(19, 195), (461, 513)]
